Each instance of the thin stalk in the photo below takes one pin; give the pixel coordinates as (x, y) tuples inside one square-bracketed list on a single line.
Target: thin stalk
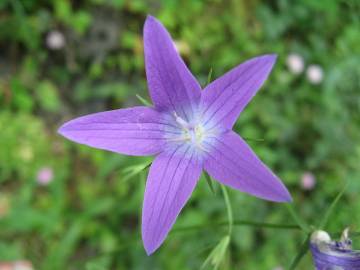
[(143, 100), (332, 207), (209, 76), (304, 248), (298, 220), (240, 223), (209, 182), (228, 208)]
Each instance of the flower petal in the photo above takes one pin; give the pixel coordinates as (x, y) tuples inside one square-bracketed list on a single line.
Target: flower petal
[(134, 131), (224, 99), (232, 162), (171, 180), (171, 84)]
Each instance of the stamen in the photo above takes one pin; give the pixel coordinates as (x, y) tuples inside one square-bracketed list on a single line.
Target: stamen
[(181, 121), (193, 133)]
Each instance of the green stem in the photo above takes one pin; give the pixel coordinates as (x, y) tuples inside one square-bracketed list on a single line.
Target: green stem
[(298, 220), (332, 207), (143, 100), (241, 223), (228, 208), (302, 251), (209, 182), (209, 76)]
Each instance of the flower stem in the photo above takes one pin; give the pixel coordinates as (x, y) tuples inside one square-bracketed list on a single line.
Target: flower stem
[(332, 207), (209, 76), (302, 252), (241, 223), (209, 182), (298, 220), (228, 208)]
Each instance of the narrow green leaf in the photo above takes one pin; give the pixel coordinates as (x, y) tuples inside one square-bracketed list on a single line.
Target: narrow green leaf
[(217, 255), (209, 76), (254, 140), (209, 182), (133, 170), (143, 100), (147, 166), (228, 208), (302, 251), (331, 208), (298, 220)]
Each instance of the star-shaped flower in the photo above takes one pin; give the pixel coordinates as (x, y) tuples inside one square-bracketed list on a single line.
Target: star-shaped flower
[(188, 129)]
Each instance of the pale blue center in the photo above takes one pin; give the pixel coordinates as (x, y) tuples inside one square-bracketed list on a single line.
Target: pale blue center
[(192, 133)]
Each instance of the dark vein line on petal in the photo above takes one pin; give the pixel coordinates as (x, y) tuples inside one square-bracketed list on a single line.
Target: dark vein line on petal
[(230, 84), (233, 93), (167, 193), (149, 220), (176, 192)]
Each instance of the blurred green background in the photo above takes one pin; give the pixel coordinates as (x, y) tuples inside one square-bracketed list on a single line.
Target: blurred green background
[(67, 206)]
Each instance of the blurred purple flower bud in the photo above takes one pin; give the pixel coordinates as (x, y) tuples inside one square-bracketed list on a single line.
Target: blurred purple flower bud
[(315, 74), (55, 40), (295, 63), (308, 181), (44, 176), (336, 255)]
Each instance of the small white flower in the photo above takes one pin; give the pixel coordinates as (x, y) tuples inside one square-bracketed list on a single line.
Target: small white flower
[(55, 40), (308, 181), (295, 63), (45, 175), (315, 74)]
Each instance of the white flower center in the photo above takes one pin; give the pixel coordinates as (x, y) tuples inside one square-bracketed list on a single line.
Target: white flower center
[(191, 132)]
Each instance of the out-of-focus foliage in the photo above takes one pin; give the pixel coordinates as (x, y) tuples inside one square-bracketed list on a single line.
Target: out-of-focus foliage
[(60, 59)]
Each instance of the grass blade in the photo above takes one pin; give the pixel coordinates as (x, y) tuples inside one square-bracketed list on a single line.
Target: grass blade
[(331, 208), (302, 252), (210, 182), (298, 220), (143, 100), (209, 76), (228, 208)]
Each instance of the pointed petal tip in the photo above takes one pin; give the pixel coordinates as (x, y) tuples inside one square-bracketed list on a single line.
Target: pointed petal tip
[(61, 130), (150, 17), (149, 251), (288, 199), (151, 20), (151, 24), (285, 197), (271, 58), (273, 55), (149, 246)]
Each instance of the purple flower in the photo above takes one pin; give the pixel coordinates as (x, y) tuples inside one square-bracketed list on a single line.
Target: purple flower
[(338, 255), (189, 130)]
